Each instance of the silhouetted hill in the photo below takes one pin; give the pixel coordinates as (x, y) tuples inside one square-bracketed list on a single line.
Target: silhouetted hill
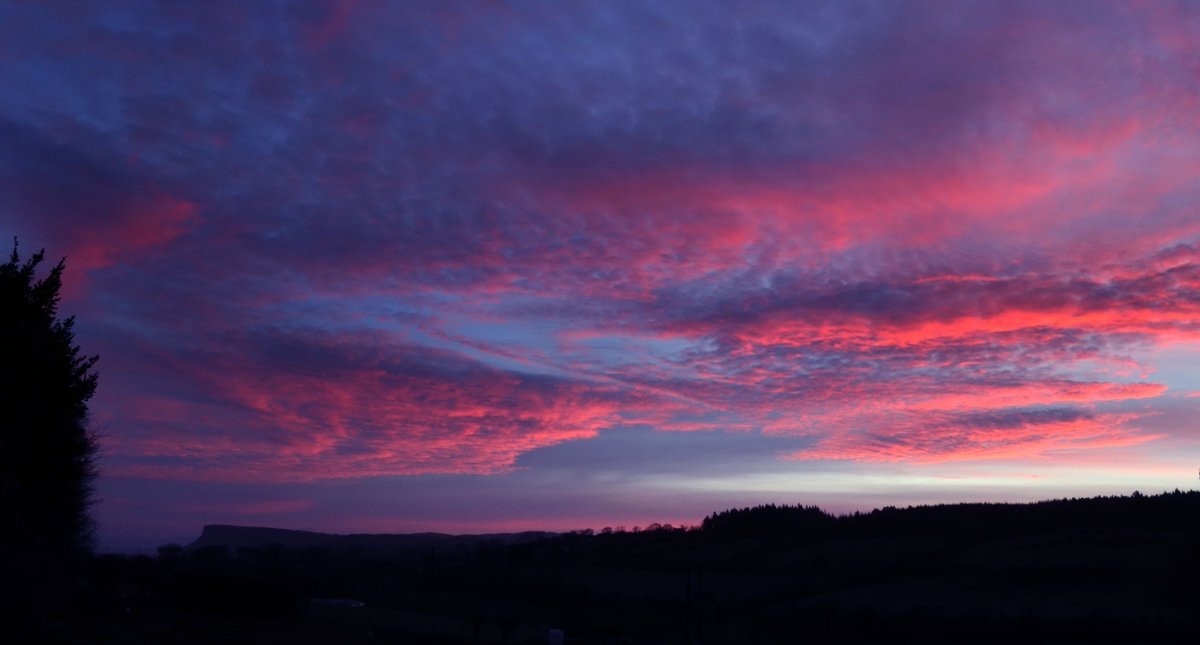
[(249, 537), (1105, 569)]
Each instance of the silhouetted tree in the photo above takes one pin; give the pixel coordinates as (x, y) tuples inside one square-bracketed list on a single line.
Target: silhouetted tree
[(46, 450)]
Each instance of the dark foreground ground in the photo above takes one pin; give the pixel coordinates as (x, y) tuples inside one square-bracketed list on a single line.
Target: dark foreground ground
[(1123, 569)]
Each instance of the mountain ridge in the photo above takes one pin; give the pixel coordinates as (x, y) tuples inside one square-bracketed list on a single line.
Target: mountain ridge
[(235, 537)]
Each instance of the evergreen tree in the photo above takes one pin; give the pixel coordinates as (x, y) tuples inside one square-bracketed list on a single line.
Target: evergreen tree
[(46, 450)]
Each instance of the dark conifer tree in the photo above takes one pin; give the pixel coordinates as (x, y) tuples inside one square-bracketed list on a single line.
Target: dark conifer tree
[(46, 449)]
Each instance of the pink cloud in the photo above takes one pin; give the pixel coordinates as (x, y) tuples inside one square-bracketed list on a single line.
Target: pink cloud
[(393, 413), (1024, 436), (146, 223)]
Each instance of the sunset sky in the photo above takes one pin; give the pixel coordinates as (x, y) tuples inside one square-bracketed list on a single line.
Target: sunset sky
[(492, 266)]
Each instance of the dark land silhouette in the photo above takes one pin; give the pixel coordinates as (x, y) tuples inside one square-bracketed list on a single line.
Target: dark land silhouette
[(1115, 569)]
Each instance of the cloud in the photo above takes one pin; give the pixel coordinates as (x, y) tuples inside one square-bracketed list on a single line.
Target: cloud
[(336, 239), (280, 406), (81, 205), (1012, 433)]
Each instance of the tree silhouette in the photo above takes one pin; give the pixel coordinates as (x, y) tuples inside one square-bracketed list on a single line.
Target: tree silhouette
[(46, 450)]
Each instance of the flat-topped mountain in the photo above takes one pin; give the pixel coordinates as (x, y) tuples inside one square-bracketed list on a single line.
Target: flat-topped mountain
[(241, 537)]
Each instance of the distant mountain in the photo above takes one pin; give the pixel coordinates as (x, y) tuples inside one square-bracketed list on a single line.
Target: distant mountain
[(240, 537)]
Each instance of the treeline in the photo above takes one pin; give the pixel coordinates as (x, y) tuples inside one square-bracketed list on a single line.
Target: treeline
[(769, 519), (1172, 510)]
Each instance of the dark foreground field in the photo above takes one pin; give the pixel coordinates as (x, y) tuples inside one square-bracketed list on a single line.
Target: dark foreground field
[(1107, 569)]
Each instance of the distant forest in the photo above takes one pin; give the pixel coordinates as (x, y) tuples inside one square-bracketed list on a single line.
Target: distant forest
[(1167, 510)]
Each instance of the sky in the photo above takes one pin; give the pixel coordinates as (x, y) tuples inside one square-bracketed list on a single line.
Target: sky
[(491, 266)]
